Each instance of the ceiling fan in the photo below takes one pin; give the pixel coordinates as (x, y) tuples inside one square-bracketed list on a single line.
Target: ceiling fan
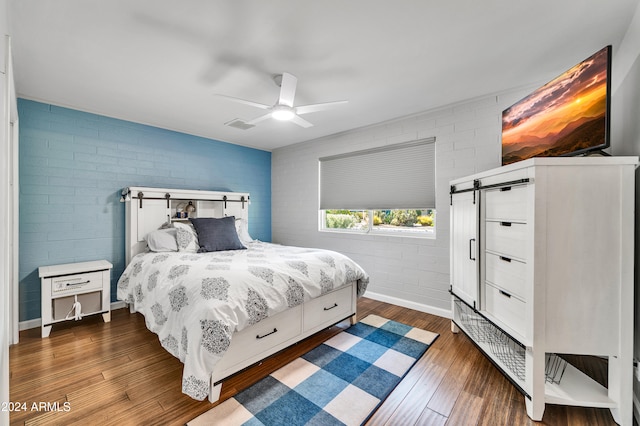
[(283, 109)]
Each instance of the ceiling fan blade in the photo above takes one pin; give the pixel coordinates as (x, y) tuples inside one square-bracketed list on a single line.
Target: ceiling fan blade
[(243, 101), (287, 89), (305, 109), (301, 122), (259, 119)]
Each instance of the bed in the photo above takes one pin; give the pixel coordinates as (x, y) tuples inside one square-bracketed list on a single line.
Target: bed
[(225, 301)]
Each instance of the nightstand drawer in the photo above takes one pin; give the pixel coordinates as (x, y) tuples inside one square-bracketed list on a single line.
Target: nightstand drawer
[(76, 284)]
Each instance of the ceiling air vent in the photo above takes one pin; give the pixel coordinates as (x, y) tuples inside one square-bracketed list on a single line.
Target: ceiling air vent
[(239, 124)]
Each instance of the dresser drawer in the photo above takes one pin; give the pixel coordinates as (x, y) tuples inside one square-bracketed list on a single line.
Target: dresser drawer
[(507, 238), (76, 284), (328, 309), (262, 336), (508, 274), (507, 203), (506, 308)]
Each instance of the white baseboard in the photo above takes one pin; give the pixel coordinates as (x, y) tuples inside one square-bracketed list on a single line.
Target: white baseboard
[(118, 305), (446, 313), (26, 325), (37, 322)]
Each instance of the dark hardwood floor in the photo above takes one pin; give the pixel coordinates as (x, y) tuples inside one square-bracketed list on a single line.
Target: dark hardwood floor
[(117, 373)]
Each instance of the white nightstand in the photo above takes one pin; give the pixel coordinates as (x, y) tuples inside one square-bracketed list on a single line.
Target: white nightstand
[(75, 290)]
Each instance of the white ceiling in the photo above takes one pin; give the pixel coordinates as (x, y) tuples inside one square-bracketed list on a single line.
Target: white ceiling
[(161, 62)]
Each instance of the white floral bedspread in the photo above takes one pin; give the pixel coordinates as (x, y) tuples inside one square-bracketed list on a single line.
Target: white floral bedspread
[(195, 301)]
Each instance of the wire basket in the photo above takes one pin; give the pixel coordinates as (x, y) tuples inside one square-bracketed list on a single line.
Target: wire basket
[(503, 347), (476, 326), (510, 353), (554, 368)]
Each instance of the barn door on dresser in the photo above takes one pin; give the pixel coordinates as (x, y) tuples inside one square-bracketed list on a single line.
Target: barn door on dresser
[(464, 245)]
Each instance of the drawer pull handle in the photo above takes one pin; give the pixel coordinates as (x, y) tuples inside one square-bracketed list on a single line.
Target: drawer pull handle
[(506, 259), (81, 282), (506, 188), (275, 330), (505, 223), (335, 305), (504, 293)]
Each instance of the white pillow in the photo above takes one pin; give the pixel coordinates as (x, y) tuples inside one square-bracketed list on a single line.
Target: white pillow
[(162, 240), (242, 228), (186, 237)]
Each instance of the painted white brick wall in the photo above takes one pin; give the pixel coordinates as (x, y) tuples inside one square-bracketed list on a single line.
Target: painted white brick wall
[(408, 271)]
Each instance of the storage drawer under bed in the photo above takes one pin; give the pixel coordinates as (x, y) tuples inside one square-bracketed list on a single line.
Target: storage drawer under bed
[(328, 309), (254, 343), (261, 337)]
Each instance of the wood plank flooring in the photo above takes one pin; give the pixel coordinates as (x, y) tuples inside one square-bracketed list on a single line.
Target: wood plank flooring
[(117, 373)]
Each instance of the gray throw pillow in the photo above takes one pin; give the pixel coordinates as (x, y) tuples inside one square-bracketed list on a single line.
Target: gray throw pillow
[(217, 234)]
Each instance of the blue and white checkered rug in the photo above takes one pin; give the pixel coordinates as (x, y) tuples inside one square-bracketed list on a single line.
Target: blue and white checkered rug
[(341, 382)]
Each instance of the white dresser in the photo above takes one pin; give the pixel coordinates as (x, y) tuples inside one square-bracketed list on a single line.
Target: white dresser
[(542, 264)]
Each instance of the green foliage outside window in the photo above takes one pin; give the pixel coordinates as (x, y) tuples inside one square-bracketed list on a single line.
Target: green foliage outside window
[(403, 218), (340, 221), (414, 220)]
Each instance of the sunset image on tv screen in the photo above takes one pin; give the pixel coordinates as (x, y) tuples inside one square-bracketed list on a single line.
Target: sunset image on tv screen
[(564, 116)]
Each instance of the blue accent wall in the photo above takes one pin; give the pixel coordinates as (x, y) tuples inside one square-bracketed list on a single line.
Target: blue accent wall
[(73, 166)]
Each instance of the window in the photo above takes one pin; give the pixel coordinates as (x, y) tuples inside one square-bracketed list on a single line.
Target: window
[(411, 222), (376, 190)]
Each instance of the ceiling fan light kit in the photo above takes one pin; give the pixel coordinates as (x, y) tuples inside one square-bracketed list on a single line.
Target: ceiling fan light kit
[(282, 113), (283, 110)]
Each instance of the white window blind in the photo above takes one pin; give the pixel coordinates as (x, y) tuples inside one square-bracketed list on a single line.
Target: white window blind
[(400, 176)]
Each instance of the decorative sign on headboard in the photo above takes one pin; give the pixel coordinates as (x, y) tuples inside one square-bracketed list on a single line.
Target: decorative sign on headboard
[(148, 209)]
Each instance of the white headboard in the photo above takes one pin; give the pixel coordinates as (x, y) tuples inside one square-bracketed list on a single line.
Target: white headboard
[(147, 209)]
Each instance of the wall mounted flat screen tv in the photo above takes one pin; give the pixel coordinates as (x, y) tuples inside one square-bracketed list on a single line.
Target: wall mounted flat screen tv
[(567, 116)]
